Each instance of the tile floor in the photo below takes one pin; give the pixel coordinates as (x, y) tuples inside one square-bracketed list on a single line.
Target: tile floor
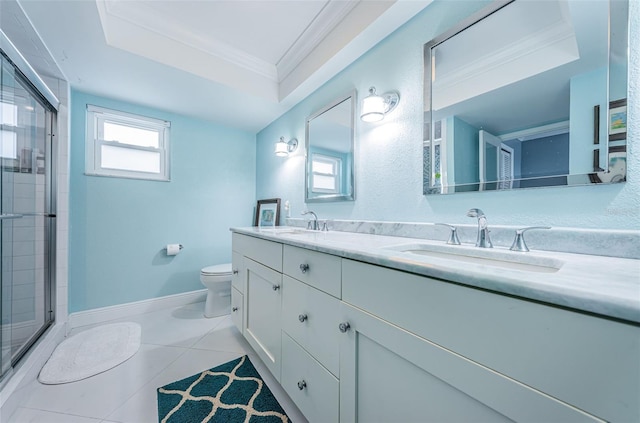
[(176, 343)]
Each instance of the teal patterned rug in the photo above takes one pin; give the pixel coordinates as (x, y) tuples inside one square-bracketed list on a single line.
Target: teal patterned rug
[(231, 392)]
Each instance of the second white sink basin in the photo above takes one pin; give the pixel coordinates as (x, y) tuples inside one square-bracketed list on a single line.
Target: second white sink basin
[(505, 259)]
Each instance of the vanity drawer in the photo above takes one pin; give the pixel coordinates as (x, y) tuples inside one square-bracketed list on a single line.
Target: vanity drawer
[(322, 271), (262, 251), (238, 277), (311, 318), (587, 361), (311, 387)]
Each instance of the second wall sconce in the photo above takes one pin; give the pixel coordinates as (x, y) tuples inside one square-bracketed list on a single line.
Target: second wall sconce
[(375, 107), (283, 148)]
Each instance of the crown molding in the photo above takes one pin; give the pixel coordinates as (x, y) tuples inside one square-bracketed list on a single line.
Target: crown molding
[(143, 16), (325, 22)]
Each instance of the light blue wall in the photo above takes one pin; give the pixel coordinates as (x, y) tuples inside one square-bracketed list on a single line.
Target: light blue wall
[(389, 153), (119, 227)]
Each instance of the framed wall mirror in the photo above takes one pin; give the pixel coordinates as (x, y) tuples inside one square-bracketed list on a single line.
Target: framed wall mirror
[(330, 147), (527, 94)]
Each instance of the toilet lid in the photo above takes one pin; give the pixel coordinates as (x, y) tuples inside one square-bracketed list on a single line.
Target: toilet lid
[(218, 269)]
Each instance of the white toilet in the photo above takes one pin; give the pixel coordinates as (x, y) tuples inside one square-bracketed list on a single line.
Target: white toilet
[(217, 279)]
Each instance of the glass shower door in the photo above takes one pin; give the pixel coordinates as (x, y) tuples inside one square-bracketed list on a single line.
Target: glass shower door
[(25, 218)]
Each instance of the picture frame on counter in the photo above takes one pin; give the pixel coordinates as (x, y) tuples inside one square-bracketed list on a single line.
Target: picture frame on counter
[(267, 213)]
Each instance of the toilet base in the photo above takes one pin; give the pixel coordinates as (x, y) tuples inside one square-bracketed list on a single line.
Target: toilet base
[(218, 303)]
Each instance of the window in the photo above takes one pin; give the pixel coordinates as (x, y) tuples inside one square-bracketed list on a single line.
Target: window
[(123, 145), (325, 174)]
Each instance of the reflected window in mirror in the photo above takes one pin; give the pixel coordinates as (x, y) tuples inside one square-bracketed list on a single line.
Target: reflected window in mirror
[(330, 134), (527, 94)]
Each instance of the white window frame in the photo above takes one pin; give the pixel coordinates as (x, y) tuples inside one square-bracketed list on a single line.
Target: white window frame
[(336, 163), (96, 117)]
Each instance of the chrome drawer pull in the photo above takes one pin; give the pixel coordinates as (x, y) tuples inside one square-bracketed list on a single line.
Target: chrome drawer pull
[(234, 309), (344, 327), (302, 384), (304, 268), (302, 318), (276, 287)]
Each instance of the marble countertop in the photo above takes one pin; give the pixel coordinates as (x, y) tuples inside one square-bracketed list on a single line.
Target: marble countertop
[(606, 286)]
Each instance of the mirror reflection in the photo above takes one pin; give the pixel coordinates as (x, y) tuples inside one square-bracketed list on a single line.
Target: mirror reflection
[(527, 94), (329, 154)]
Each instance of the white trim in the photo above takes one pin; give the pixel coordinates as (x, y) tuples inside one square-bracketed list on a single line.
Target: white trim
[(23, 65), (143, 18), (537, 132), (105, 314), (97, 116), (326, 21)]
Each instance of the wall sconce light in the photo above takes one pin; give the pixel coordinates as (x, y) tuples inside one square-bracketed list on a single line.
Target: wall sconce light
[(375, 106), (283, 149)]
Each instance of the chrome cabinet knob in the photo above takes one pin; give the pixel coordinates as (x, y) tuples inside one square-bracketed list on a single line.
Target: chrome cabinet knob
[(304, 268), (344, 327), (302, 318), (276, 287), (235, 271), (234, 309), (302, 384)]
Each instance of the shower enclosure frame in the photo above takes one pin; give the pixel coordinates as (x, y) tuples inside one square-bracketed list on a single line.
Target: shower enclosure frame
[(35, 91)]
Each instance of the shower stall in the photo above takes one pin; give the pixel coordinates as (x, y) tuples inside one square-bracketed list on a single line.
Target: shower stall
[(27, 214)]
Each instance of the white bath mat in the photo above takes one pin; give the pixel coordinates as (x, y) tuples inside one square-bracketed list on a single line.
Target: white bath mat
[(91, 352)]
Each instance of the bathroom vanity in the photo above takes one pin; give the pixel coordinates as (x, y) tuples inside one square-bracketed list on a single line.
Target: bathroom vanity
[(360, 327)]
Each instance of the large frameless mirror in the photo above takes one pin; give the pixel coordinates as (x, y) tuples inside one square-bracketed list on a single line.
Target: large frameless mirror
[(330, 134), (528, 94)]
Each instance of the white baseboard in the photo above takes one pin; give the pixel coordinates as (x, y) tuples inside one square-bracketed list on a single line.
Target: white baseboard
[(105, 314)]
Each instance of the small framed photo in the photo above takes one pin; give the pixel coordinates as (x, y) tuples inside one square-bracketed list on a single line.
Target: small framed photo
[(618, 120), (268, 213)]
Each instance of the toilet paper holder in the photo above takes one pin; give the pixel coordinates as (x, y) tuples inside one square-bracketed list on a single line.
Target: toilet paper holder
[(180, 245)]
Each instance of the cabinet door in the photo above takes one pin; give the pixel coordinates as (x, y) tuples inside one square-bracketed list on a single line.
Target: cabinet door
[(237, 309), (388, 374), (263, 301)]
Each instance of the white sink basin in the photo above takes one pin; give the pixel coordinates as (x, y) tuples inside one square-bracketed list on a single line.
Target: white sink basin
[(504, 259)]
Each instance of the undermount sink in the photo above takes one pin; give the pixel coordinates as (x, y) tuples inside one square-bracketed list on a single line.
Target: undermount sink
[(483, 256)]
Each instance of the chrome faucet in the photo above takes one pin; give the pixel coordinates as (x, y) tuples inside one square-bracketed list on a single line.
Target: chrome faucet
[(313, 224), (483, 239)]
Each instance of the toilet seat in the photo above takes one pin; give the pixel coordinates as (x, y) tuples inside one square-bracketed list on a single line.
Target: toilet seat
[(217, 270)]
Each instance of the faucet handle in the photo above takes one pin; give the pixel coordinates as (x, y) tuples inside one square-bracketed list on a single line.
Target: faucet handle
[(325, 228), (518, 242), (453, 236)]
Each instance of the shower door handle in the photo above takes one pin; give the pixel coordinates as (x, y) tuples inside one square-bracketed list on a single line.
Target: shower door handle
[(32, 214), (10, 216)]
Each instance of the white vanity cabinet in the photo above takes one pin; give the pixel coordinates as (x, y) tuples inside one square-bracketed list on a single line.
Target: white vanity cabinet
[(525, 360), (356, 342), (261, 279)]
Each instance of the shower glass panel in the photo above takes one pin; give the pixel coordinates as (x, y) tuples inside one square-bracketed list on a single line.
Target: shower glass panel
[(26, 220)]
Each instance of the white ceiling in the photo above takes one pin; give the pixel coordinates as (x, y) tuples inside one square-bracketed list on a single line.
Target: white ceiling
[(241, 63)]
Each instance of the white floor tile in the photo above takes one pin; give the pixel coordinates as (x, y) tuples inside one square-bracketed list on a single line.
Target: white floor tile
[(178, 327), (176, 343), (29, 415), (98, 396), (142, 407), (224, 337)]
